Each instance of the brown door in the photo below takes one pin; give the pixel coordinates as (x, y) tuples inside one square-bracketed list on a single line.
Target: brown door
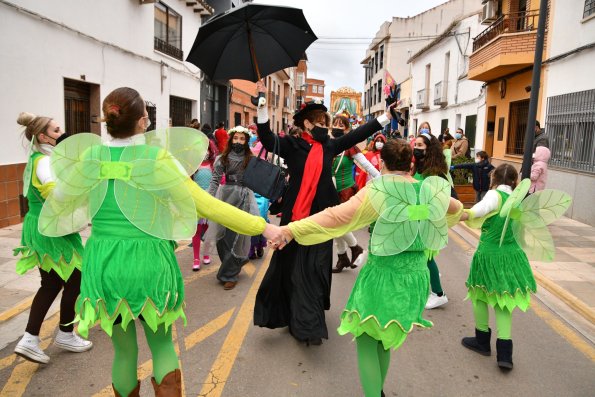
[(77, 106)]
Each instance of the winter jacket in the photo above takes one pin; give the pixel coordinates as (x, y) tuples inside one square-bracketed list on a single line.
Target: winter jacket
[(539, 169), (481, 174), (541, 140), (460, 147)]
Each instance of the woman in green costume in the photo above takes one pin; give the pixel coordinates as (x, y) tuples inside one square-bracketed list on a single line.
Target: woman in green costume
[(500, 274), (57, 258), (391, 290), (137, 191)]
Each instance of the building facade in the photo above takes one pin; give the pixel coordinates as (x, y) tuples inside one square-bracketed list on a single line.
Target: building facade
[(241, 109), (314, 89), (569, 105), (346, 100), (442, 94), (67, 62), (280, 98)]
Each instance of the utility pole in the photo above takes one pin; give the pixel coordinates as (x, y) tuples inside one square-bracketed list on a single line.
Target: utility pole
[(530, 132)]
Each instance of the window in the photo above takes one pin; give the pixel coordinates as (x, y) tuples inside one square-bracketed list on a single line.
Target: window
[(300, 79), (152, 112), (517, 126), (380, 90), (168, 31), (589, 8), (180, 111), (381, 56), (376, 63), (374, 93)]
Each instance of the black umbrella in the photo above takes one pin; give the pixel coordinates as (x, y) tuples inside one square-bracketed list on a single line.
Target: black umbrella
[(229, 45)]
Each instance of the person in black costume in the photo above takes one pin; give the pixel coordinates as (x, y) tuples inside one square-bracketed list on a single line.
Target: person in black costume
[(296, 288)]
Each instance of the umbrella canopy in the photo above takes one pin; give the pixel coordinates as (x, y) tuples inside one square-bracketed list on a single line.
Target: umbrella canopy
[(251, 41)]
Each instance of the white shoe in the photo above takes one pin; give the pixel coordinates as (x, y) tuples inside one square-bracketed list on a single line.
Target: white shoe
[(435, 301), (28, 348), (361, 259), (72, 342)]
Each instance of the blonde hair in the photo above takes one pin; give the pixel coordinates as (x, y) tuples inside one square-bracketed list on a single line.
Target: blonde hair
[(34, 125)]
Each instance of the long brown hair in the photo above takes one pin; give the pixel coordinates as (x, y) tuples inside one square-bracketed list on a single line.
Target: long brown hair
[(247, 152), (122, 109), (504, 174), (434, 162)]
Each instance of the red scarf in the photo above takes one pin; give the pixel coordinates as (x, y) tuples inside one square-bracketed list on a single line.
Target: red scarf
[(312, 171)]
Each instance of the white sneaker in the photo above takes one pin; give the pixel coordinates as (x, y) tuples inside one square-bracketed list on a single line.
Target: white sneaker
[(28, 348), (72, 342), (435, 301)]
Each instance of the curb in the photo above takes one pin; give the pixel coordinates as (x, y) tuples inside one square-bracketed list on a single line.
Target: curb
[(572, 301), (20, 307)]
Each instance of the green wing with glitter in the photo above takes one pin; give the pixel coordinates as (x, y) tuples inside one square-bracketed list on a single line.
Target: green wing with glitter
[(511, 206), (401, 218), (149, 181), (79, 191), (529, 223), (448, 157), (28, 169)]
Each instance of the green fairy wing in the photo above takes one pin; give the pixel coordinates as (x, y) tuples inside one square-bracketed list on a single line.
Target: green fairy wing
[(448, 157), (394, 232), (529, 227), (150, 182), (78, 166), (28, 169), (510, 208), (434, 198)]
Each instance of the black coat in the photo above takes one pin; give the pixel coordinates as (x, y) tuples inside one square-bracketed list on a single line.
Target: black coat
[(481, 174)]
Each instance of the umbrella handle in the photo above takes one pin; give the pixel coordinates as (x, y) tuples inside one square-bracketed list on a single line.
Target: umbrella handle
[(252, 52)]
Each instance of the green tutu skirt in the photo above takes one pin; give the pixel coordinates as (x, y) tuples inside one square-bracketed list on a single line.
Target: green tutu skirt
[(501, 276), (388, 298), (61, 254), (125, 279)]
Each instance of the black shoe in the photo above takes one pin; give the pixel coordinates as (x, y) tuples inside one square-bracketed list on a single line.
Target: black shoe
[(314, 342), (260, 252), (342, 263), (382, 393), (504, 353), (355, 253), (480, 343)]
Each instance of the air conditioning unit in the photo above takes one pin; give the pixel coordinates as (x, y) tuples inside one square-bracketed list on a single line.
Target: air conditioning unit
[(490, 9)]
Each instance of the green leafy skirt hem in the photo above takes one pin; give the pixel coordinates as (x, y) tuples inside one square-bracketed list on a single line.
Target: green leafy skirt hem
[(30, 259), (505, 300), (89, 314), (392, 335)]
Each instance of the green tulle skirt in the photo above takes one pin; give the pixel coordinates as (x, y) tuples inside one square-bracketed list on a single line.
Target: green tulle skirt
[(388, 298), (501, 276), (61, 254), (125, 279)]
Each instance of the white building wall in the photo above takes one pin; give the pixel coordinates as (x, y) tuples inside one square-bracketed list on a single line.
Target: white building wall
[(464, 97), (37, 60)]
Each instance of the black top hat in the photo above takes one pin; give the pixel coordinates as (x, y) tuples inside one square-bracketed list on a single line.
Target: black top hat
[(308, 107)]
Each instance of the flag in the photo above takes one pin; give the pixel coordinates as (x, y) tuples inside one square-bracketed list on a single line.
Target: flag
[(389, 83)]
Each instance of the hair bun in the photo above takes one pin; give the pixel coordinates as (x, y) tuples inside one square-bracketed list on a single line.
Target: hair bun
[(25, 118)]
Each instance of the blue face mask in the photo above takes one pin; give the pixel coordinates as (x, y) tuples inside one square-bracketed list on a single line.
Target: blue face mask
[(424, 131), (458, 136)]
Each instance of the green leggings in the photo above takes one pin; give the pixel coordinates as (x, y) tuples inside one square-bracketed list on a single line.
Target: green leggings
[(373, 362), (165, 359), (503, 319), (434, 277)]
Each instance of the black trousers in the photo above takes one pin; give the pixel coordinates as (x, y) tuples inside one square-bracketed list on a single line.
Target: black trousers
[(51, 284)]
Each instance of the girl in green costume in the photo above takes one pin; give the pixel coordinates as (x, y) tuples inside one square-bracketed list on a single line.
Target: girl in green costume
[(391, 290), (138, 194), (58, 258)]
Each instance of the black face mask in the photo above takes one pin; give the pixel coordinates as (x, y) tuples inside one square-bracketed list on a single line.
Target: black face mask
[(237, 147), (419, 154), (337, 132), (319, 134)]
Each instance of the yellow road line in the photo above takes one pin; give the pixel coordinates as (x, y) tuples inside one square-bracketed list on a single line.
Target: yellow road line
[(144, 371), (249, 268), (207, 330), (177, 349), (203, 272), (561, 328), (215, 382), (17, 309)]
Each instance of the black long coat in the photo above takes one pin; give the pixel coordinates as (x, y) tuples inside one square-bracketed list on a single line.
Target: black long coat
[(296, 289)]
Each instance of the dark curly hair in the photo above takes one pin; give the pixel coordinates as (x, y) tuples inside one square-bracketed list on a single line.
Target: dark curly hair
[(434, 162), (247, 152)]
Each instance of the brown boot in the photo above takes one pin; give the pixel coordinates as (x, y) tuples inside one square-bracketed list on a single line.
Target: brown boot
[(342, 263), (355, 253), (171, 385), (133, 393)]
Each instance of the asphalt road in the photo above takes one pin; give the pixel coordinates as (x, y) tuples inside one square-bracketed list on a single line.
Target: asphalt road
[(223, 354)]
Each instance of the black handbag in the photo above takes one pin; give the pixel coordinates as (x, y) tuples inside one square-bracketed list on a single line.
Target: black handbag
[(264, 177)]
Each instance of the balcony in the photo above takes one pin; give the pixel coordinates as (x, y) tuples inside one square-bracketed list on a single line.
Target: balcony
[(506, 46), (168, 49), (441, 93), (422, 100)]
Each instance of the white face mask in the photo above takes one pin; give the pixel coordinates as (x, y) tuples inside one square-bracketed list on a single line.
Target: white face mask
[(477, 160), (379, 145)]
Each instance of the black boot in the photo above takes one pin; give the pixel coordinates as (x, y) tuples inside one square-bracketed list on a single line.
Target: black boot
[(355, 253), (382, 393), (342, 263), (504, 353), (479, 344)]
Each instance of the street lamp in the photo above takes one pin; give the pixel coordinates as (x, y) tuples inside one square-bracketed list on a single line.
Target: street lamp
[(369, 94)]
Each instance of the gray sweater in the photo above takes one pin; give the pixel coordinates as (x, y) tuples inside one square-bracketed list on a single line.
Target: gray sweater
[(234, 171)]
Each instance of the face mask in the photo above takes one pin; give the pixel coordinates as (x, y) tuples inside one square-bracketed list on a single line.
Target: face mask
[(379, 145), (337, 132), (319, 134), (477, 160), (237, 148), (419, 154), (458, 136), (424, 131)]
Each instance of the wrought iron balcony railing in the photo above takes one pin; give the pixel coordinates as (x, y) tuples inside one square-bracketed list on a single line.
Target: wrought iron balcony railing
[(508, 23), (168, 49)]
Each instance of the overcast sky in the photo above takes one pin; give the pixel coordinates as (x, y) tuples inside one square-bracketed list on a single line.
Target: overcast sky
[(345, 28)]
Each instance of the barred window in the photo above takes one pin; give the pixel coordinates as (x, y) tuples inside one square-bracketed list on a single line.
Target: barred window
[(517, 126), (570, 123), (168, 31), (589, 8)]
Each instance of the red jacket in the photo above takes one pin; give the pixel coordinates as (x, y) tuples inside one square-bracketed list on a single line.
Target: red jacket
[(221, 137)]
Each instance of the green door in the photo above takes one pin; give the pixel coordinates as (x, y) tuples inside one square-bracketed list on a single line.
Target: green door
[(470, 126)]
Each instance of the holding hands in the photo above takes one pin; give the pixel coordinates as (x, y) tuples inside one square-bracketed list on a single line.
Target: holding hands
[(278, 237)]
